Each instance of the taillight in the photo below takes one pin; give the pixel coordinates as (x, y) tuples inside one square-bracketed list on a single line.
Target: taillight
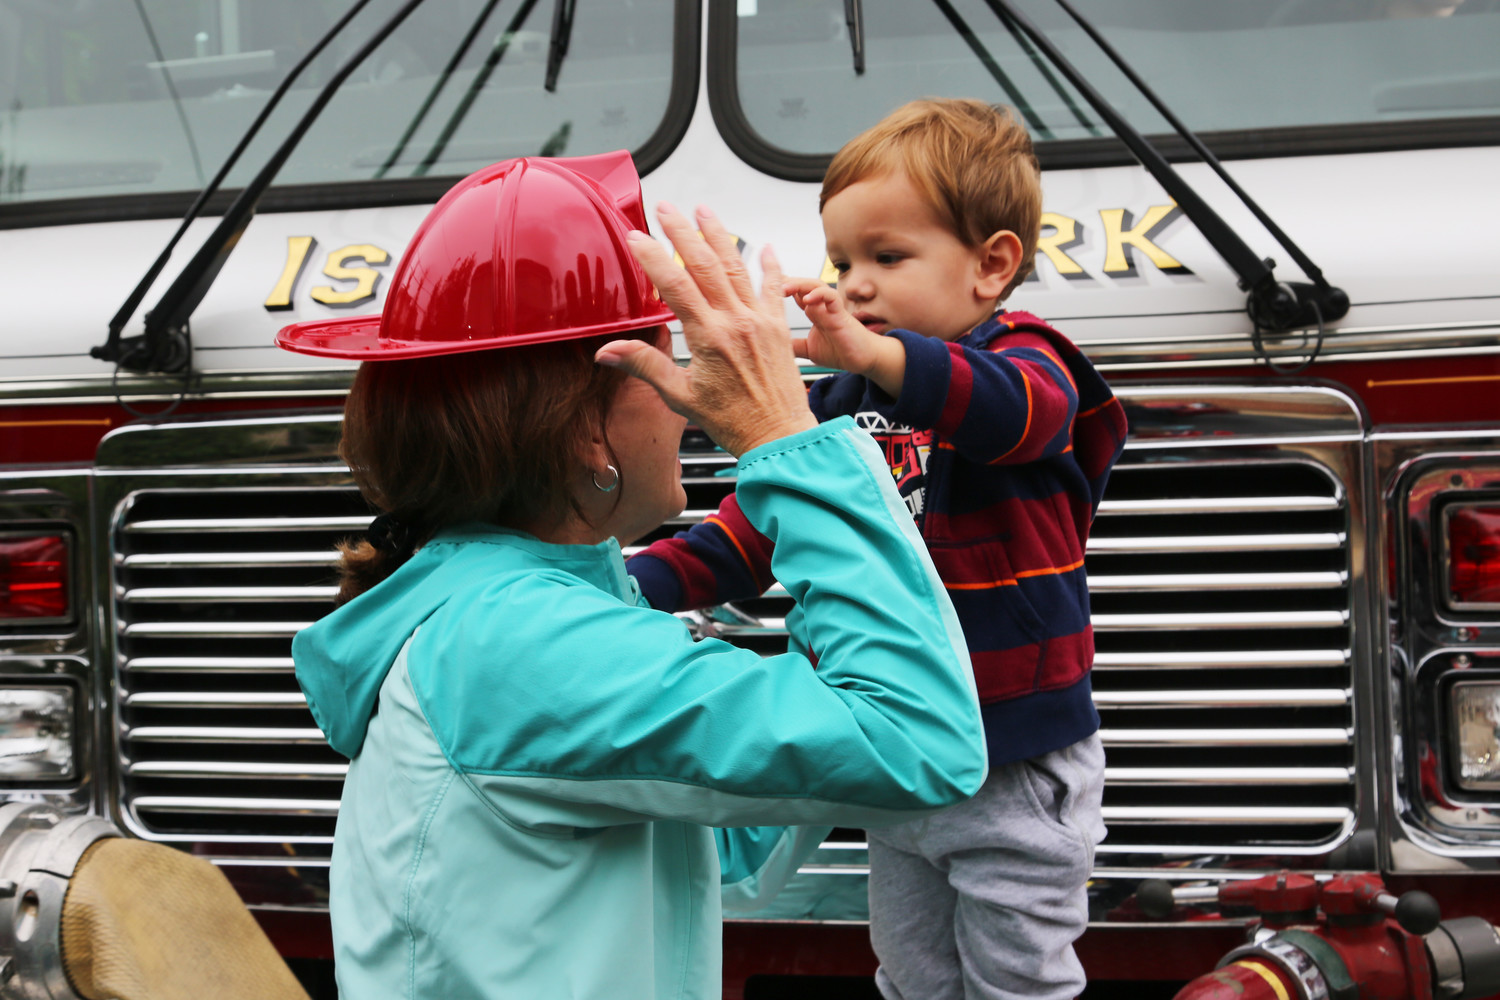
[(1473, 556), (33, 578)]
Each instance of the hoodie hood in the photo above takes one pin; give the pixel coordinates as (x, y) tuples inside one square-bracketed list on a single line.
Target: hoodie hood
[(343, 658)]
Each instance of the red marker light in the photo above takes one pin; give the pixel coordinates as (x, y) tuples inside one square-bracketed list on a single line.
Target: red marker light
[(33, 578), (1474, 556)]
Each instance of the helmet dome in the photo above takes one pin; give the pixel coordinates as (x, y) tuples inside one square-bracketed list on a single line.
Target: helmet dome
[(525, 251)]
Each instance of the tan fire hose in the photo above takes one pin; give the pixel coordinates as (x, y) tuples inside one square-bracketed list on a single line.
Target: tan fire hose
[(145, 922)]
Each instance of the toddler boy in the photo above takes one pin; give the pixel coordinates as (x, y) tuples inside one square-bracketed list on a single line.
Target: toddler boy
[(1001, 436)]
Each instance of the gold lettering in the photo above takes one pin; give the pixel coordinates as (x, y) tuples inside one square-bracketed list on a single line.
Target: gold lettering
[(365, 278), (830, 274), (1066, 234), (1121, 238), (298, 248)]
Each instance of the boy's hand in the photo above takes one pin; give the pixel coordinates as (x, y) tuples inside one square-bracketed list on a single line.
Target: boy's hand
[(838, 340)]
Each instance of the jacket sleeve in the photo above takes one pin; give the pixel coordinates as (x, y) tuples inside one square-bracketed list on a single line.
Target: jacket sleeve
[(1011, 404), (755, 862), (574, 697), (722, 558)]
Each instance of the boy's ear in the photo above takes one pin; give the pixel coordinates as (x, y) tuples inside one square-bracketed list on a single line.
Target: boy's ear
[(999, 260)]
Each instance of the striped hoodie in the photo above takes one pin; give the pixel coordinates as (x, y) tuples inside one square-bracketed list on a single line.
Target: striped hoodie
[(1000, 443)]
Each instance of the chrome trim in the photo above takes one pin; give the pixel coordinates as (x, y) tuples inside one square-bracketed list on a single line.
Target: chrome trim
[(227, 630), (231, 525), (206, 560), (1213, 776), (209, 664), (1226, 737), (204, 804), (1228, 659), (1288, 698), (223, 734), (232, 769), (1158, 815), (1216, 543), (1217, 505), (1151, 356), (1433, 825), (229, 595), (1222, 620), (213, 699), (1137, 584)]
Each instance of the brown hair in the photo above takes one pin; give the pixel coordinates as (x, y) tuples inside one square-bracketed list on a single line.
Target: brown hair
[(972, 160), (491, 436)]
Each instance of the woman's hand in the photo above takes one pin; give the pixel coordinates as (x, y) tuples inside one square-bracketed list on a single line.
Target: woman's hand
[(742, 385)]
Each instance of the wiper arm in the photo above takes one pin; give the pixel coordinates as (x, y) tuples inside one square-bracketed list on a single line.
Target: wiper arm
[(437, 88), (854, 17), (166, 346), (1303, 261), (557, 41), (1041, 67), (482, 77), (112, 349), (1273, 305), (1017, 98)]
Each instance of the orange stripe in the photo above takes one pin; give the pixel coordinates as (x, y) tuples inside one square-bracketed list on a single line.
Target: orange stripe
[(55, 423), (1025, 430), (1096, 409), (1015, 580), (715, 519)]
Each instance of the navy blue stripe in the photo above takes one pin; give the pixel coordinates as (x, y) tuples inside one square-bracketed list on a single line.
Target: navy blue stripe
[(1029, 726)]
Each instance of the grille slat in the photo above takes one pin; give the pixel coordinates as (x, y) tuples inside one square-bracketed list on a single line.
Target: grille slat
[(1221, 608)]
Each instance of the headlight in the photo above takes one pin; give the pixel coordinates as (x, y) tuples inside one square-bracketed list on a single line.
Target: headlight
[(1476, 724), (36, 733)]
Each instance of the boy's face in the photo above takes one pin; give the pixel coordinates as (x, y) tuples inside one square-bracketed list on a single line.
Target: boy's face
[(899, 266)]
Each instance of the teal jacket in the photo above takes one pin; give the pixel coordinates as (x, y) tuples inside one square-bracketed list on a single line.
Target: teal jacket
[(539, 761)]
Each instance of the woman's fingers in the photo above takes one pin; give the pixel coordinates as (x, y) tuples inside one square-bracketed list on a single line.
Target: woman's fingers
[(647, 363), (772, 282), (698, 258), (677, 289), (726, 248)]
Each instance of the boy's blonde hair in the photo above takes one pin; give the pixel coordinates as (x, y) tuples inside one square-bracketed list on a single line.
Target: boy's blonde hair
[(972, 160)]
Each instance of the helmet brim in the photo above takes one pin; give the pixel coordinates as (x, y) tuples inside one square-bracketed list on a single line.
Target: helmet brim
[(357, 338)]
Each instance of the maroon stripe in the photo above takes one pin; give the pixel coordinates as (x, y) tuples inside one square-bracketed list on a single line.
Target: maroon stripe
[(960, 389), (1045, 666)]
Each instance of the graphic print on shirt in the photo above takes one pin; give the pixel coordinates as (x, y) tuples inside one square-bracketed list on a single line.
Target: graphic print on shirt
[(906, 450)]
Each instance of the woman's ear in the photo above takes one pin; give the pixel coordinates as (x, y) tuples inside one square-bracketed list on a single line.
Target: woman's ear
[(999, 260)]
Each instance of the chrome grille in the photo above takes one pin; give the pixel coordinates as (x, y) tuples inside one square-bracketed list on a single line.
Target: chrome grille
[(1221, 611)]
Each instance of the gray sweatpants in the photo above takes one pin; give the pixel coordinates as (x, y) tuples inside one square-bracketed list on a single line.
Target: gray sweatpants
[(984, 901)]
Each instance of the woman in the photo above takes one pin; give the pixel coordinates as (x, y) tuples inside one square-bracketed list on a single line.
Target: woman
[(537, 759)]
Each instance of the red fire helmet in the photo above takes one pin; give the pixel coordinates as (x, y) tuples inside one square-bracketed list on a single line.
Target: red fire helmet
[(526, 251)]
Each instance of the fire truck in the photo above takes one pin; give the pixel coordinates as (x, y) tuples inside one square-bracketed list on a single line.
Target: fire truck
[(1273, 226)]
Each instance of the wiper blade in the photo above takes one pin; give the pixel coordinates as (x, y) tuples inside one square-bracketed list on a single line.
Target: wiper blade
[(482, 77), (1025, 45), (1273, 305), (1017, 98), (113, 349), (437, 88), (854, 17), (166, 346), (557, 41)]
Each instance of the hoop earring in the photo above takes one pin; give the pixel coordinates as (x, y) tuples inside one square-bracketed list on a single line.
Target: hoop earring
[(612, 483)]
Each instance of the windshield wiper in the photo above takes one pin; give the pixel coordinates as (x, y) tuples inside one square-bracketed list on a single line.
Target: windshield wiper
[(113, 348), (557, 41), (1274, 306), (1017, 98), (437, 88), (482, 77), (166, 346), (854, 17)]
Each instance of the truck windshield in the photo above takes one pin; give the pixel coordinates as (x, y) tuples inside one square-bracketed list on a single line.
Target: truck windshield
[(141, 97), (1223, 67)]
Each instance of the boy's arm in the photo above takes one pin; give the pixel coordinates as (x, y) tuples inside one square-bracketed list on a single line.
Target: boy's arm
[(722, 558), (1011, 404)]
